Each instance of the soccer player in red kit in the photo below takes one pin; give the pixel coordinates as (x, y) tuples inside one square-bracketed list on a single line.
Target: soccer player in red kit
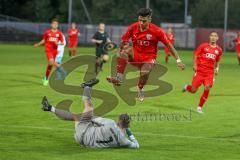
[(171, 39), (206, 65), (73, 34), (52, 38), (237, 44), (145, 37)]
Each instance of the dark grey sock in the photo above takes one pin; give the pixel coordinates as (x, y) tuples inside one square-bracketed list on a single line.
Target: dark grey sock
[(65, 115)]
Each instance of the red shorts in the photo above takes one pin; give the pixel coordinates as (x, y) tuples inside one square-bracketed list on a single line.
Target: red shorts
[(205, 79), (72, 44), (139, 59), (51, 54)]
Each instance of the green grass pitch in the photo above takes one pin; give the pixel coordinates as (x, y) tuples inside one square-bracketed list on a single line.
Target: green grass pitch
[(27, 133)]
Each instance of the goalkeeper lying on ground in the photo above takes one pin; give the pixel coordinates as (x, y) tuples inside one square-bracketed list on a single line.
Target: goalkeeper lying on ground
[(96, 132)]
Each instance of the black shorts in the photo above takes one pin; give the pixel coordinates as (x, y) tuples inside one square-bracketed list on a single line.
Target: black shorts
[(100, 52)]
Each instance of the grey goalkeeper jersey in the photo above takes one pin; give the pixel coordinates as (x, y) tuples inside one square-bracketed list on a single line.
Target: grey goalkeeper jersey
[(103, 132)]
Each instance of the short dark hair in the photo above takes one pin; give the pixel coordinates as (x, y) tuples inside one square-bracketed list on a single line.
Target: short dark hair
[(213, 31), (124, 120), (144, 12), (54, 20)]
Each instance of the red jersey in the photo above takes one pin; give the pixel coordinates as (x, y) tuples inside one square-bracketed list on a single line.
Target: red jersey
[(51, 39), (145, 42), (73, 35), (237, 43), (170, 37), (207, 56)]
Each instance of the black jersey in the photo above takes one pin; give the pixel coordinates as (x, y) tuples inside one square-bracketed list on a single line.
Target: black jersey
[(101, 36)]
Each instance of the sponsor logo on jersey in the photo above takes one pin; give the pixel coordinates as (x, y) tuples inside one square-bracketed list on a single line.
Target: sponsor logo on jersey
[(210, 55), (148, 36), (53, 39)]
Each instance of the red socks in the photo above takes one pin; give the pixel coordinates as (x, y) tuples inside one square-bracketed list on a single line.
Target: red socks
[(48, 71), (166, 59), (141, 83), (121, 65), (203, 98)]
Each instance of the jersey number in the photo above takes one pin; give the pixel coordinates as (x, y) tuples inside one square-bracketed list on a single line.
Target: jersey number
[(143, 43)]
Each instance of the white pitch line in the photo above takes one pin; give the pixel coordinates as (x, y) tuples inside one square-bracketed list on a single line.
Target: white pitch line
[(137, 133)]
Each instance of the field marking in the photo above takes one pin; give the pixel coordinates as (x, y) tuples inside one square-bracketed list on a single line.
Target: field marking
[(137, 133)]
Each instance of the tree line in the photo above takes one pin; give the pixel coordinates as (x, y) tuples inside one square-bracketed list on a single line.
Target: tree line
[(205, 13)]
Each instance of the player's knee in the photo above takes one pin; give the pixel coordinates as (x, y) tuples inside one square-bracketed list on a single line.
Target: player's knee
[(126, 52), (98, 61), (105, 58), (208, 87), (51, 61), (194, 90), (123, 55), (144, 74)]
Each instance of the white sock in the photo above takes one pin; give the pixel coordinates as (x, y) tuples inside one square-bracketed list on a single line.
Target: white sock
[(53, 109), (86, 93), (120, 76)]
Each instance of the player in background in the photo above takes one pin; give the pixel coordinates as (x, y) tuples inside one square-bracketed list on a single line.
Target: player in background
[(59, 56), (52, 38), (96, 132), (171, 38), (73, 34), (237, 44), (100, 38), (206, 65), (145, 37)]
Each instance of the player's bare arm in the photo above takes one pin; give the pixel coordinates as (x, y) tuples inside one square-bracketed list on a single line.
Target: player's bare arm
[(194, 62), (109, 40), (96, 41), (40, 43), (216, 68), (175, 54)]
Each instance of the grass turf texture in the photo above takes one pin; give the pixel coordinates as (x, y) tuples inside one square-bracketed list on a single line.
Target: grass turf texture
[(29, 133)]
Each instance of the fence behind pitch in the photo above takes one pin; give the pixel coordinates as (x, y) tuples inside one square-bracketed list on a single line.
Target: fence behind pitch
[(27, 32)]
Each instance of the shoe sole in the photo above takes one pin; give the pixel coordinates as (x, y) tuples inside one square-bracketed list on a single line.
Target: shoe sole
[(88, 84), (115, 83)]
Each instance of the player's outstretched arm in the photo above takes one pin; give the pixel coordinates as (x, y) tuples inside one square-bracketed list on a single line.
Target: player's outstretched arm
[(96, 41), (134, 142), (40, 43), (176, 56), (194, 62)]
